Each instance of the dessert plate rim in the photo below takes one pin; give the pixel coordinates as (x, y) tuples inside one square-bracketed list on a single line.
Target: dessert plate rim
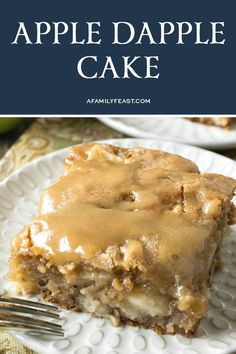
[(183, 131)]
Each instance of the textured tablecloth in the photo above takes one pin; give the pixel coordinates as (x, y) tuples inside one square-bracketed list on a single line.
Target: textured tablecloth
[(43, 136)]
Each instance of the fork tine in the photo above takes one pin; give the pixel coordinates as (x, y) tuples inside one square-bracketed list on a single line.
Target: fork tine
[(27, 311), (24, 320), (16, 301), (30, 328), (42, 331), (19, 314)]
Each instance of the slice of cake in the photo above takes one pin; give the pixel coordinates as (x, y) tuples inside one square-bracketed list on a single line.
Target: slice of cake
[(127, 234), (220, 122)]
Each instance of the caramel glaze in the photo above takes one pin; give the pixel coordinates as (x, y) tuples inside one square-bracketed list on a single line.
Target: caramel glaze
[(117, 211)]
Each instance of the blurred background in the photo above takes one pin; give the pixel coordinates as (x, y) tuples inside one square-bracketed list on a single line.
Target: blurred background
[(24, 139)]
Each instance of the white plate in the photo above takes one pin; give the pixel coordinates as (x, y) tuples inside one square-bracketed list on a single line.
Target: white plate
[(19, 196), (174, 129)]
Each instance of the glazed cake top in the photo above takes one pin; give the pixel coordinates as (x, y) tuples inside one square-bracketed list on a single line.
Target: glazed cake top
[(130, 209)]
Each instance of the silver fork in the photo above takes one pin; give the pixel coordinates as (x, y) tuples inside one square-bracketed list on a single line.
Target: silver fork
[(29, 316)]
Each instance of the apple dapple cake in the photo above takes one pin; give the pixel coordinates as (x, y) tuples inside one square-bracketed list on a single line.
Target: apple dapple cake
[(127, 234), (220, 122)]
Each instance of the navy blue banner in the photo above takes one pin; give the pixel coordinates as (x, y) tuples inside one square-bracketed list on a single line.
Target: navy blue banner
[(123, 57)]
